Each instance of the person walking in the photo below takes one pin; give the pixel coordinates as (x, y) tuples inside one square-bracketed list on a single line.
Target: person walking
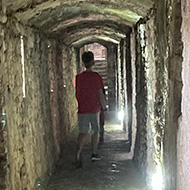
[(90, 98)]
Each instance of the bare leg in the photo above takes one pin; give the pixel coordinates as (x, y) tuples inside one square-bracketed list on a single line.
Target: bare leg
[(81, 141)]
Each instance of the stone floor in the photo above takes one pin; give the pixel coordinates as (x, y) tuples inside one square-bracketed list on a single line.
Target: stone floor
[(115, 171)]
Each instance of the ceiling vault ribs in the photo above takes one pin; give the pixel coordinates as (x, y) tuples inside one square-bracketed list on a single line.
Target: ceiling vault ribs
[(74, 19)]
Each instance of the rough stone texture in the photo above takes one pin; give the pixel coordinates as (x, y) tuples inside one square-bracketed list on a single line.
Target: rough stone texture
[(140, 153), (168, 58), (119, 71), (104, 40), (158, 91), (3, 140), (111, 69), (133, 73), (27, 10), (125, 62), (29, 135), (161, 56), (62, 69), (92, 20), (28, 138), (128, 89), (145, 151), (66, 17), (148, 148), (72, 38), (175, 88), (124, 85), (148, 54), (147, 154), (69, 109), (3, 126), (56, 77), (184, 120)]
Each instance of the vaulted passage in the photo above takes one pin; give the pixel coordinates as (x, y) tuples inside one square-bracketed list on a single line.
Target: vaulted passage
[(141, 51)]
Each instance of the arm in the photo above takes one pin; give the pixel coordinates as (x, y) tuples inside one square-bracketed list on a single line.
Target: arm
[(75, 86), (102, 99)]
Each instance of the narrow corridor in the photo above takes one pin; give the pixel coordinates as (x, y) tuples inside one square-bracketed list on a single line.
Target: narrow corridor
[(115, 171), (141, 50)]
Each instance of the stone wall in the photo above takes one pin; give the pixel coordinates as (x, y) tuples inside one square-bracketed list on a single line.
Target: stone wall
[(124, 86), (62, 71), (169, 85), (174, 102), (128, 89), (151, 89), (133, 73), (148, 150), (120, 79), (159, 92), (69, 109), (41, 111), (56, 81), (29, 148), (111, 69), (148, 46), (184, 120), (140, 153), (3, 127)]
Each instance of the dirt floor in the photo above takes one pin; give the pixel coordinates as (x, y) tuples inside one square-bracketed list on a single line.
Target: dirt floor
[(115, 171)]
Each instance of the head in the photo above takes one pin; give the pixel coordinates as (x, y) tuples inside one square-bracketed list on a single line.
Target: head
[(88, 59)]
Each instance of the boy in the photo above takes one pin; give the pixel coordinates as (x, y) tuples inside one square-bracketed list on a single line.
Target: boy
[(90, 98)]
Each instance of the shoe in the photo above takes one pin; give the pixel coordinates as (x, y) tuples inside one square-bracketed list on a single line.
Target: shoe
[(95, 157)]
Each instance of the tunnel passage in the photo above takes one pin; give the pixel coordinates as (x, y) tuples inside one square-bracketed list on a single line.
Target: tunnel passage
[(40, 42)]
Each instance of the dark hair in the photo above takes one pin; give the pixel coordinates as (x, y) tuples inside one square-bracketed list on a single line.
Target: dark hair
[(88, 59)]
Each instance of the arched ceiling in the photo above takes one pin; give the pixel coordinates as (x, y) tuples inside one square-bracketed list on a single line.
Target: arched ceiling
[(106, 41), (80, 19), (70, 35), (92, 19), (89, 34)]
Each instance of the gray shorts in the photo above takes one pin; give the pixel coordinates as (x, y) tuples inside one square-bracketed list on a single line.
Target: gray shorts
[(87, 120)]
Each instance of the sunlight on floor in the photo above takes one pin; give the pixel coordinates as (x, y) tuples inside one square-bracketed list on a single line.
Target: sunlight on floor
[(113, 128)]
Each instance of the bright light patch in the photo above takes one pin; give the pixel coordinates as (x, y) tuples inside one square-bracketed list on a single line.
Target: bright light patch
[(22, 61), (157, 180), (118, 127), (120, 115)]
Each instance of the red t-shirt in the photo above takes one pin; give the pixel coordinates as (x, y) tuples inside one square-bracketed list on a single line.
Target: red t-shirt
[(88, 83)]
